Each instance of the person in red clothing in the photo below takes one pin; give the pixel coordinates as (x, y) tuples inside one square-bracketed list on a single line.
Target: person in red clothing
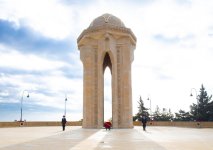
[(107, 125)]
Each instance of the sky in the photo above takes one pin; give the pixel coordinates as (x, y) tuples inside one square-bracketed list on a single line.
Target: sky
[(39, 54)]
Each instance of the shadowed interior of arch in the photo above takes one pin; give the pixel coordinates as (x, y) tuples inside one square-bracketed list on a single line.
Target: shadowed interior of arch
[(107, 62), (107, 72)]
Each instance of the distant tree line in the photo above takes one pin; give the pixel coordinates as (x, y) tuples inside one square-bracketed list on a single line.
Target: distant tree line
[(201, 111)]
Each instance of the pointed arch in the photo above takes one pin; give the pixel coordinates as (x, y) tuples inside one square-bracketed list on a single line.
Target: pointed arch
[(105, 57), (107, 62)]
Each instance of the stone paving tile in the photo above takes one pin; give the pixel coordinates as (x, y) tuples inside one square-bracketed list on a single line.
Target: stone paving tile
[(63, 141), (127, 139), (76, 138), (176, 138)]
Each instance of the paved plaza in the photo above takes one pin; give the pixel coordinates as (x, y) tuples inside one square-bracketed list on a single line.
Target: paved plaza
[(76, 138)]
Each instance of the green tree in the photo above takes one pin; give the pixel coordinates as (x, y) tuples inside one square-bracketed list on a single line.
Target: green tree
[(182, 116), (168, 115), (164, 115), (142, 110), (202, 111), (157, 114), (211, 111)]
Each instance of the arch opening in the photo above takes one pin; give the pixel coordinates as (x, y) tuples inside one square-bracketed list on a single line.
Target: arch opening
[(107, 95), (107, 73), (107, 63)]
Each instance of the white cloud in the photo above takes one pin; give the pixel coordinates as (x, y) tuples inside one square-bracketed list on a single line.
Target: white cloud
[(14, 59), (50, 18), (173, 53)]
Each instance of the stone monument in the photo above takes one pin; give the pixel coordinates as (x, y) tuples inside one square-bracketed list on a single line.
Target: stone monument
[(107, 42)]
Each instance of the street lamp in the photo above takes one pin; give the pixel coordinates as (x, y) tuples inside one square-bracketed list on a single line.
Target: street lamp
[(149, 99), (65, 108), (196, 98), (22, 97)]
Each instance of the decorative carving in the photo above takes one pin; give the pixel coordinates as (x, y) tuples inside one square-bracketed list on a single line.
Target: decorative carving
[(108, 28), (106, 17)]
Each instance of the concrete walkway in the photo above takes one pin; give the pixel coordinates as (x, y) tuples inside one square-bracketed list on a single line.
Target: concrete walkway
[(76, 138)]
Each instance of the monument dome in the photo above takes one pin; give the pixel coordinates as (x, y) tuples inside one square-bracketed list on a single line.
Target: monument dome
[(107, 23), (106, 19)]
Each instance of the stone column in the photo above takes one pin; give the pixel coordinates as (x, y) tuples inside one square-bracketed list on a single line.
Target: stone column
[(90, 104)]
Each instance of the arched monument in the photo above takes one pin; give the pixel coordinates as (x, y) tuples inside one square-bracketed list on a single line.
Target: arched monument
[(107, 42)]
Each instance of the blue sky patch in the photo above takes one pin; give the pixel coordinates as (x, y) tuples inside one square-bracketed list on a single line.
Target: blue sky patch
[(27, 40), (162, 38)]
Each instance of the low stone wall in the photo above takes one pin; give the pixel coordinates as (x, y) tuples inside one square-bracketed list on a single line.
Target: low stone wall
[(177, 124), (38, 123), (136, 123)]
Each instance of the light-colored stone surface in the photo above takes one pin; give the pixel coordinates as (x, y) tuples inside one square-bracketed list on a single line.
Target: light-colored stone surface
[(107, 43), (17, 135), (76, 138)]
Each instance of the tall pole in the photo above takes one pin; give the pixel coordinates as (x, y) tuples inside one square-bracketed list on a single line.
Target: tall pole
[(149, 99), (142, 111), (22, 97), (196, 99), (21, 106), (65, 108)]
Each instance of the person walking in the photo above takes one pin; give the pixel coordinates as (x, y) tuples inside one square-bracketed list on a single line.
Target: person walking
[(63, 122), (144, 121)]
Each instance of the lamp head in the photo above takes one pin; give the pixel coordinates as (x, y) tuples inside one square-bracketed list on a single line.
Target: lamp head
[(191, 94)]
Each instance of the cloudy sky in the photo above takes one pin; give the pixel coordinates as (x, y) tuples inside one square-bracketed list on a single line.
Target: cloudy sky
[(39, 54)]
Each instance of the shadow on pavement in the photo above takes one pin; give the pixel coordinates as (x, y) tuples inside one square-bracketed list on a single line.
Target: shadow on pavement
[(63, 141)]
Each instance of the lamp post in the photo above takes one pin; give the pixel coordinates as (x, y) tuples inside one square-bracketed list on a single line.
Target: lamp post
[(196, 98), (65, 102), (149, 99), (22, 97)]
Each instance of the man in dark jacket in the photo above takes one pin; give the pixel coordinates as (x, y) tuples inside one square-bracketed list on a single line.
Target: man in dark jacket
[(144, 121), (63, 122)]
